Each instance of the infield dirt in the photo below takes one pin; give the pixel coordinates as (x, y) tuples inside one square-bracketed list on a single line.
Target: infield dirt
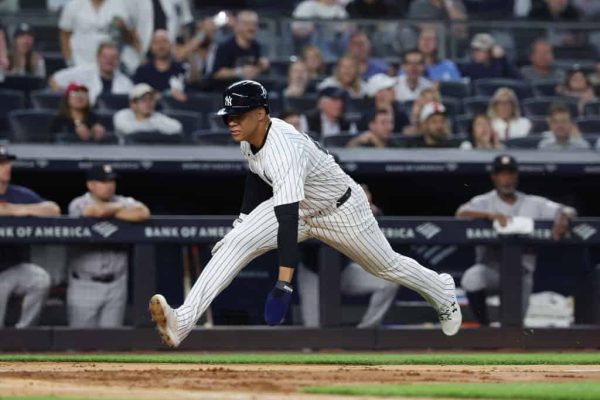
[(245, 382)]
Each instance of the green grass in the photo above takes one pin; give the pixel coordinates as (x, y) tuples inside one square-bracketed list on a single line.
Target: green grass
[(523, 391), (321, 358), (44, 398)]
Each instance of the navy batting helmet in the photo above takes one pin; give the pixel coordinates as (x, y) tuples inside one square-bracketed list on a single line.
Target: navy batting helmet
[(242, 97)]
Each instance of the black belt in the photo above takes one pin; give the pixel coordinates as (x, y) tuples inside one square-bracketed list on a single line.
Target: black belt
[(102, 279), (344, 198)]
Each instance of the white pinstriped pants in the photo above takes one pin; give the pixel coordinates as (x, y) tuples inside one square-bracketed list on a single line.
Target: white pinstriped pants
[(351, 229)]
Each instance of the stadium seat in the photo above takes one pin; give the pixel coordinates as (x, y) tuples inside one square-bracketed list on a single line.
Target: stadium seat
[(538, 125), (66, 138), (279, 67), (191, 122), (113, 102), (453, 107), (545, 87), (213, 138), (462, 124), (592, 109), (538, 106), (300, 104), (487, 87), (23, 83), (529, 142), (340, 140), (476, 105), (196, 102), (46, 100), (31, 126), (153, 138), (54, 62), (456, 89), (579, 53), (588, 124), (9, 100), (105, 118)]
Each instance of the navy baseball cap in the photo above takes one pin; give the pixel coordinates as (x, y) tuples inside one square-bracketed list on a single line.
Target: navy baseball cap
[(333, 91), (5, 155), (23, 29), (505, 162), (103, 172)]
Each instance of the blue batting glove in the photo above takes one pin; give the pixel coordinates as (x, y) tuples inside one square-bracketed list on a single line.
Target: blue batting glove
[(278, 302)]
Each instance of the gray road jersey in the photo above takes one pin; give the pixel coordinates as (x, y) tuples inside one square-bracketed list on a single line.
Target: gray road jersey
[(535, 207), (298, 169)]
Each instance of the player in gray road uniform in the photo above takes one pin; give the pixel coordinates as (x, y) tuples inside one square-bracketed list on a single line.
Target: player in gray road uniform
[(311, 197), (97, 292), (501, 204)]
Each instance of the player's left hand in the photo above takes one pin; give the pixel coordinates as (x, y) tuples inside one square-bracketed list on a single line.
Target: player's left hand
[(278, 302)]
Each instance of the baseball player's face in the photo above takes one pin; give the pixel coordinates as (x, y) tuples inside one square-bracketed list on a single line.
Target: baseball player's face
[(103, 190), (244, 127), (505, 182), (5, 172)]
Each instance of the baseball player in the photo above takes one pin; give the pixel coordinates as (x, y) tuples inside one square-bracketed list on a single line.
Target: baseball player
[(500, 205), (307, 195), (97, 292), (17, 274)]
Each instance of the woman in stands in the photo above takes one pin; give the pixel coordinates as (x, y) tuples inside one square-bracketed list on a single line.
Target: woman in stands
[(311, 55), (427, 95), (347, 77), (298, 81), (481, 135), (505, 115), (76, 119), (577, 85), (22, 59)]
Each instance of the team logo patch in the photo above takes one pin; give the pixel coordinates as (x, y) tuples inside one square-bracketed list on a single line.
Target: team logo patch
[(228, 101)]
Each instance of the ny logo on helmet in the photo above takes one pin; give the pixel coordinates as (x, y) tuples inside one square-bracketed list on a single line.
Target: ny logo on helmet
[(228, 101)]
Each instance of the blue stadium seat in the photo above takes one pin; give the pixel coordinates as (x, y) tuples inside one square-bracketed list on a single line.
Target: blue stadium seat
[(46, 100), (9, 100), (545, 87), (456, 89), (214, 138), (112, 102), (300, 104), (592, 109), (529, 142), (153, 138), (589, 124), (54, 62), (191, 122), (105, 118), (476, 105), (196, 102), (23, 83), (340, 140), (63, 138), (538, 107), (453, 107), (487, 87), (462, 124), (31, 126), (538, 125)]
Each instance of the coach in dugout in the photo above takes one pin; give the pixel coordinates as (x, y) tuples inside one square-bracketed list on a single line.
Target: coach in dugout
[(501, 204), (17, 275), (97, 292)]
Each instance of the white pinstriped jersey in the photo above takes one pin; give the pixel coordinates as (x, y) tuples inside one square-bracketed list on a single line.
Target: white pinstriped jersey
[(297, 168)]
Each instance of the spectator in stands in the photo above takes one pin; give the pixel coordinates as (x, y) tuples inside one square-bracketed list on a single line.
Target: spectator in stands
[(149, 16), (501, 204), (241, 57), (76, 118), (481, 135), (141, 116), (328, 118), (298, 82), (85, 24), (101, 79), (435, 69), (553, 10), (427, 95), (162, 71), (381, 127), (453, 10), (381, 88), (22, 58), (359, 47), (371, 9), (434, 128), (506, 116), (97, 292), (578, 86), (4, 63), (311, 55), (541, 58), (295, 119), (563, 134), (589, 10), (488, 60), (18, 275), (594, 77), (346, 76), (199, 52), (354, 280), (411, 81)]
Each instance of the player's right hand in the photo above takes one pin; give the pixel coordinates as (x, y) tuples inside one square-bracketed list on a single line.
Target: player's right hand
[(219, 244)]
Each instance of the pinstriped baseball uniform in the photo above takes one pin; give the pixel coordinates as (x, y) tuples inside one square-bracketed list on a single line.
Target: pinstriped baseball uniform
[(299, 170)]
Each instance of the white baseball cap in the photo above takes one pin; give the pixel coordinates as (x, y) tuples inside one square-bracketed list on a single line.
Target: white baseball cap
[(483, 41), (139, 90), (430, 109), (379, 82)]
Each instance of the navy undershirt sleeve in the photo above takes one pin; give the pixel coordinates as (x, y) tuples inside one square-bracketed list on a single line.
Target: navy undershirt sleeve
[(287, 234), (255, 192)]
